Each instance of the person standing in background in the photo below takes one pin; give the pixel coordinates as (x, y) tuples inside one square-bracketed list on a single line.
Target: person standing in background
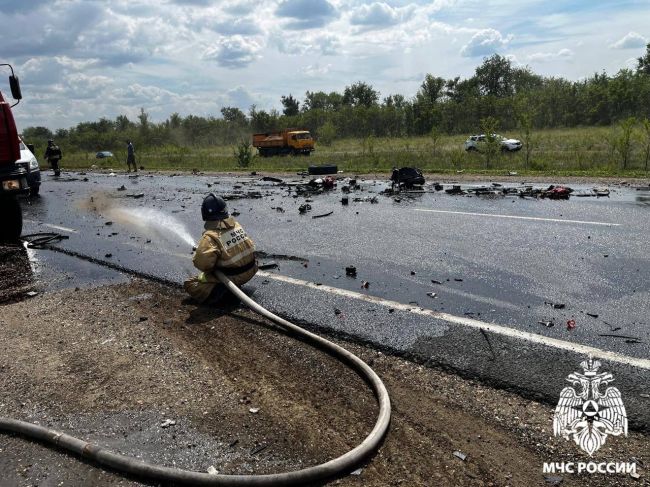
[(130, 156), (53, 155)]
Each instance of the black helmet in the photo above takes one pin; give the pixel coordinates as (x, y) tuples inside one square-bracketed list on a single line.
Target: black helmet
[(214, 208), (50, 141)]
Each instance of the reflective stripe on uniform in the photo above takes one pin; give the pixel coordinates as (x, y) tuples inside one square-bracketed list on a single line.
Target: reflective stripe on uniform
[(236, 258)]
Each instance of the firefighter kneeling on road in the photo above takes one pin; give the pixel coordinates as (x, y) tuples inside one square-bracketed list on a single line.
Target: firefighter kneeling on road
[(224, 246)]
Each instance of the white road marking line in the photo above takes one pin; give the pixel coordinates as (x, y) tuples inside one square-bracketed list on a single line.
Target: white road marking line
[(50, 225), (516, 217), (472, 323), (63, 229)]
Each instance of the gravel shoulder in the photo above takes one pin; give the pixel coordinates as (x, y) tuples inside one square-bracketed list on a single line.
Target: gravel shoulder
[(111, 364)]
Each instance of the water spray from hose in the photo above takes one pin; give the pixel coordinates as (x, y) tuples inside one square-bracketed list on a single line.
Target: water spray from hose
[(150, 220)]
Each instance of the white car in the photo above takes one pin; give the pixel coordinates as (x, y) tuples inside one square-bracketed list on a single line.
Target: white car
[(29, 162), (474, 143)]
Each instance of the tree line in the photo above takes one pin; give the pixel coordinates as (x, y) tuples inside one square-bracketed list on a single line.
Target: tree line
[(513, 95)]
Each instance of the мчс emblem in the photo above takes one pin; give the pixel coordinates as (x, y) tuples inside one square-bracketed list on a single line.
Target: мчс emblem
[(587, 415)]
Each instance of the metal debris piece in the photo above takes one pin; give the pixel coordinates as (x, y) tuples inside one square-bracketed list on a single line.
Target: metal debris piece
[(268, 265), (351, 271), (212, 470), (406, 177), (31, 294), (432, 295), (455, 189), (593, 315), (304, 208), (435, 282), (323, 215), (259, 449), (460, 455), (547, 324), (272, 179), (365, 284), (358, 471), (254, 410)]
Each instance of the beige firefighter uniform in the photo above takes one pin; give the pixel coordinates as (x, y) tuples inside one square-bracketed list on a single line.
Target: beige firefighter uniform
[(225, 246)]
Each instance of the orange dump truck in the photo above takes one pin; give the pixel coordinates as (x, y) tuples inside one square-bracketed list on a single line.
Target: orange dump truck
[(289, 141)]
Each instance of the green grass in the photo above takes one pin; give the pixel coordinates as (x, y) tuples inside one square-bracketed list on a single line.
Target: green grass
[(562, 152)]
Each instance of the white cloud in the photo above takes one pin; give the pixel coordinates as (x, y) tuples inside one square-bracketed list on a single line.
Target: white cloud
[(301, 44), (380, 14), (542, 57), (315, 70), (306, 14), (484, 43), (233, 52), (630, 40), (235, 26)]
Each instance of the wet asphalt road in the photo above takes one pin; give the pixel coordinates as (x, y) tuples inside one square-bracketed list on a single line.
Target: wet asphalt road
[(589, 254)]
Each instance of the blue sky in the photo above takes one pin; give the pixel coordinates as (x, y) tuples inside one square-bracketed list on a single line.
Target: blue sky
[(82, 60)]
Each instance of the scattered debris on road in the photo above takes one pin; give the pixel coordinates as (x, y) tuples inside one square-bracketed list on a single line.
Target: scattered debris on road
[(272, 179), (553, 479)]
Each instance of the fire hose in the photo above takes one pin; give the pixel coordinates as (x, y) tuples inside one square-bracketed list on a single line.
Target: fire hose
[(132, 466)]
